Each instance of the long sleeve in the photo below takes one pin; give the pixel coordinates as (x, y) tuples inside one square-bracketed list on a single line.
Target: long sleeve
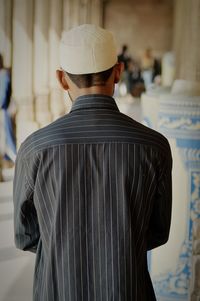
[(160, 220), (26, 229)]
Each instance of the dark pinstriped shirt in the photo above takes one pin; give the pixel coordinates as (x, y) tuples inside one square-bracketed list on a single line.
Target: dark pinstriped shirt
[(92, 193)]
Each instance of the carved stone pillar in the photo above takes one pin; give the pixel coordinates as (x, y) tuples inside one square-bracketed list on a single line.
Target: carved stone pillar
[(195, 283), (41, 70), (91, 11), (6, 31), (58, 104), (77, 12), (22, 68), (71, 13), (178, 30), (177, 116), (190, 60), (96, 16), (186, 45), (187, 39)]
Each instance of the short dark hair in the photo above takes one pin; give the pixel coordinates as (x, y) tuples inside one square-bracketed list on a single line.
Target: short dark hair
[(91, 79)]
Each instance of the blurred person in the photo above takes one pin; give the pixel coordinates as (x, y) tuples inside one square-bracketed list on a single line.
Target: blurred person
[(135, 80), (147, 64), (7, 137), (156, 70), (123, 56), (92, 190)]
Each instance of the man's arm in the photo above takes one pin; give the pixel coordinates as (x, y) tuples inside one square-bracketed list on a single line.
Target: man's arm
[(26, 229), (160, 220)]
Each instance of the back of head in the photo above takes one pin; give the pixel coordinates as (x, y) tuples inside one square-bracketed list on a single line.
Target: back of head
[(87, 49), (88, 54)]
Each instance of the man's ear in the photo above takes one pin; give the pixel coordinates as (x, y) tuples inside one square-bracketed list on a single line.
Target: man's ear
[(62, 79), (119, 68)]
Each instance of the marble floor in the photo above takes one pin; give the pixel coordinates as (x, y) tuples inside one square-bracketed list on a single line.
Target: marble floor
[(17, 267)]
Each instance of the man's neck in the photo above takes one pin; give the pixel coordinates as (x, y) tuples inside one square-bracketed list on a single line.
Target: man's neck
[(104, 90)]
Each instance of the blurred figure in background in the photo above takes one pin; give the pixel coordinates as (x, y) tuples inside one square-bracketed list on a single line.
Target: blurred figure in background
[(124, 58), (135, 81), (157, 71), (8, 145), (151, 68), (147, 63)]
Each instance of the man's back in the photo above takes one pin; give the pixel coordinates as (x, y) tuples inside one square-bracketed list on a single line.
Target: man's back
[(97, 196)]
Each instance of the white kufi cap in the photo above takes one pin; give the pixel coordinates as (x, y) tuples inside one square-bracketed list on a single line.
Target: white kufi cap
[(87, 49)]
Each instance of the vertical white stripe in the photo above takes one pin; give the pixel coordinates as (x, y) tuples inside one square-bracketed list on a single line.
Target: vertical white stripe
[(74, 234), (142, 203), (36, 289), (86, 222), (80, 221), (134, 169), (124, 219), (92, 210), (42, 279), (105, 228), (43, 201), (118, 230), (111, 219), (47, 190), (56, 253), (130, 226), (43, 236), (51, 269), (137, 188), (67, 225), (61, 229), (99, 239)]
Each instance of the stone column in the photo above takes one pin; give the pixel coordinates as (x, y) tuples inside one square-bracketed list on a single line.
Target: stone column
[(190, 60), (84, 12), (6, 31), (41, 61), (96, 15), (179, 121), (22, 68), (178, 29), (187, 45), (91, 11), (59, 103), (187, 39), (175, 266), (71, 13), (78, 12), (195, 284)]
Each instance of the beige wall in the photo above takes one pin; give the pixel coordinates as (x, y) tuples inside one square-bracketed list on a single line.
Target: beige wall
[(141, 23)]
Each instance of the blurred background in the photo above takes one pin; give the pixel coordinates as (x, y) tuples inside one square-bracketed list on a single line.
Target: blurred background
[(159, 43)]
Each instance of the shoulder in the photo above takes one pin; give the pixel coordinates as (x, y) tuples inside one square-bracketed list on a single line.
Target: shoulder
[(148, 136), (41, 138)]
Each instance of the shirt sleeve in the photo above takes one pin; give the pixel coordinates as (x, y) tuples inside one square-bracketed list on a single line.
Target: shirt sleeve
[(160, 220), (26, 228)]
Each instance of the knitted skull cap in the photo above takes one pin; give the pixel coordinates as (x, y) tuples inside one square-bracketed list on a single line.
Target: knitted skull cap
[(87, 49)]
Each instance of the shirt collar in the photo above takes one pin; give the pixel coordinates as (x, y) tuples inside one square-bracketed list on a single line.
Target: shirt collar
[(94, 101)]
